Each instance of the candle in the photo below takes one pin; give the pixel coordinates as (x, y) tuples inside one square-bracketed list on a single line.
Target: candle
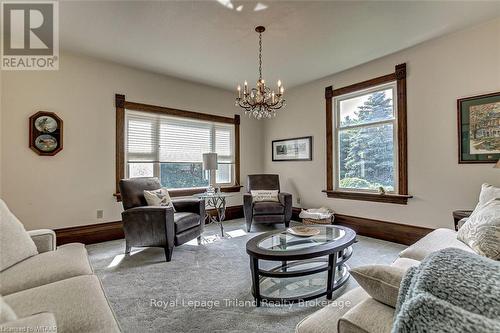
[(246, 87), (279, 84), (239, 91), (272, 97), (282, 90)]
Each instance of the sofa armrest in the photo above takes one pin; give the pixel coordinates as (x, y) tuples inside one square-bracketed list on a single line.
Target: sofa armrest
[(45, 239), (286, 201), (40, 322)]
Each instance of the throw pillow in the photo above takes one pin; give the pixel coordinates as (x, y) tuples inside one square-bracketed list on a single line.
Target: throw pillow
[(481, 232), (15, 243), (380, 281), (488, 192), (158, 197), (265, 195), (6, 312)]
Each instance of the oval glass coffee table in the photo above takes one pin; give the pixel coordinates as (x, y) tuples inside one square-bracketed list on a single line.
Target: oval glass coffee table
[(310, 267)]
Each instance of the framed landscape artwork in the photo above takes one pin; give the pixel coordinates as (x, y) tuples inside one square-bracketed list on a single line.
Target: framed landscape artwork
[(479, 129), (295, 149)]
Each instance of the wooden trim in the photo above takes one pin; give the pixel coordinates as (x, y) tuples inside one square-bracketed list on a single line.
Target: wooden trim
[(103, 232), (191, 191), (459, 116), (365, 84), (120, 140), (385, 230), (237, 149), (121, 104), (366, 196), (389, 231), (90, 234), (402, 130), (329, 138), (176, 112), (232, 212), (399, 76)]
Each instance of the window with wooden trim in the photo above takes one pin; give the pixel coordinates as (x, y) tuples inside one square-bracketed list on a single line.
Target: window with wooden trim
[(171, 149), (169, 143), (366, 140)]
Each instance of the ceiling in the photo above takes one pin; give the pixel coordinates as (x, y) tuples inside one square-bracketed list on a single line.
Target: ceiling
[(214, 42)]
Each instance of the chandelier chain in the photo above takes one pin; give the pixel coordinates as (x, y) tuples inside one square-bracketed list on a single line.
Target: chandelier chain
[(260, 56)]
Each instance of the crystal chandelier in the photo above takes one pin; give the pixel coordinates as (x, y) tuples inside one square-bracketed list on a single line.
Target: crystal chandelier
[(260, 102)]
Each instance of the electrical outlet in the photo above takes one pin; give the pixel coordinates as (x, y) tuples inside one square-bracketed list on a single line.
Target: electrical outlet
[(298, 200), (100, 213)]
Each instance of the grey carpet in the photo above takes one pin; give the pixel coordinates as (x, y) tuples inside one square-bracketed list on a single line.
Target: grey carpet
[(217, 271)]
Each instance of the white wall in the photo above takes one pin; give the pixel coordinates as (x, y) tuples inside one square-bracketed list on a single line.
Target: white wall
[(67, 189), (439, 71)]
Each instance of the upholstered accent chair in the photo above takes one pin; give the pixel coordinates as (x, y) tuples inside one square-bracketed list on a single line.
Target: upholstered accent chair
[(158, 226), (266, 211)]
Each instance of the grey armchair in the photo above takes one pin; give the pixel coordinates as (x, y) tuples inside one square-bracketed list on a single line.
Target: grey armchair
[(266, 211), (157, 226)]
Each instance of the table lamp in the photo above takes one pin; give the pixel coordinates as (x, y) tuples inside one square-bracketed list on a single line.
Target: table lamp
[(210, 165)]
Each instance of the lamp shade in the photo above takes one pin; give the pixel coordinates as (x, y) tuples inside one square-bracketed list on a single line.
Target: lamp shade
[(210, 161), (497, 165)]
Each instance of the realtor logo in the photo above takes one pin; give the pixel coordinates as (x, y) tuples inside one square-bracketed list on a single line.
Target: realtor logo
[(30, 35)]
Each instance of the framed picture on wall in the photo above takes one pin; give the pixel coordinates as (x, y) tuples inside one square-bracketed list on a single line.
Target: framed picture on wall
[(479, 128), (295, 149), (46, 133)]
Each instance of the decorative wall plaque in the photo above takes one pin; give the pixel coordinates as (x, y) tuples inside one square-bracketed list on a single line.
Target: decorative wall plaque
[(46, 133)]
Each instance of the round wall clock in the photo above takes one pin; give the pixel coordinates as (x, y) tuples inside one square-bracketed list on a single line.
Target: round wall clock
[(46, 133)]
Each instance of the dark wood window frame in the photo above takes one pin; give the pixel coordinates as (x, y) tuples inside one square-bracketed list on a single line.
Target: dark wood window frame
[(121, 105), (399, 76)]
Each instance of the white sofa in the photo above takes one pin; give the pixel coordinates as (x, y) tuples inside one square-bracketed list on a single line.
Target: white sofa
[(55, 286), (366, 315)]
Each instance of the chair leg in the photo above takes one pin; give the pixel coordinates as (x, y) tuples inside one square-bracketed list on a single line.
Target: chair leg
[(249, 226), (168, 253), (127, 248), (287, 224)]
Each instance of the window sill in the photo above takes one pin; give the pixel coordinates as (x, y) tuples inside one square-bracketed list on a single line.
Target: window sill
[(190, 191), (400, 199)]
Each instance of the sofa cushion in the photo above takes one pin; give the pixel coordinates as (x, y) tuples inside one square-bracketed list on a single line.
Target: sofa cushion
[(15, 243), (326, 319), (380, 281), (6, 312), (488, 192), (185, 221), (40, 322), (482, 230), (369, 316), (78, 304), (434, 241), (268, 208), (67, 261)]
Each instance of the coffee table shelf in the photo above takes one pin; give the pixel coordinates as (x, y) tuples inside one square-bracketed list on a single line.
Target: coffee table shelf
[(303, 261)]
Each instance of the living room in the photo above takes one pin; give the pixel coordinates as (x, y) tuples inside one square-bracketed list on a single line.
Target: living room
[(169, 90)]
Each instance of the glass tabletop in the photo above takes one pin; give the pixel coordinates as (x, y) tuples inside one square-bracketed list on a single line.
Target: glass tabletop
[(213, 195), (285, 241)]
